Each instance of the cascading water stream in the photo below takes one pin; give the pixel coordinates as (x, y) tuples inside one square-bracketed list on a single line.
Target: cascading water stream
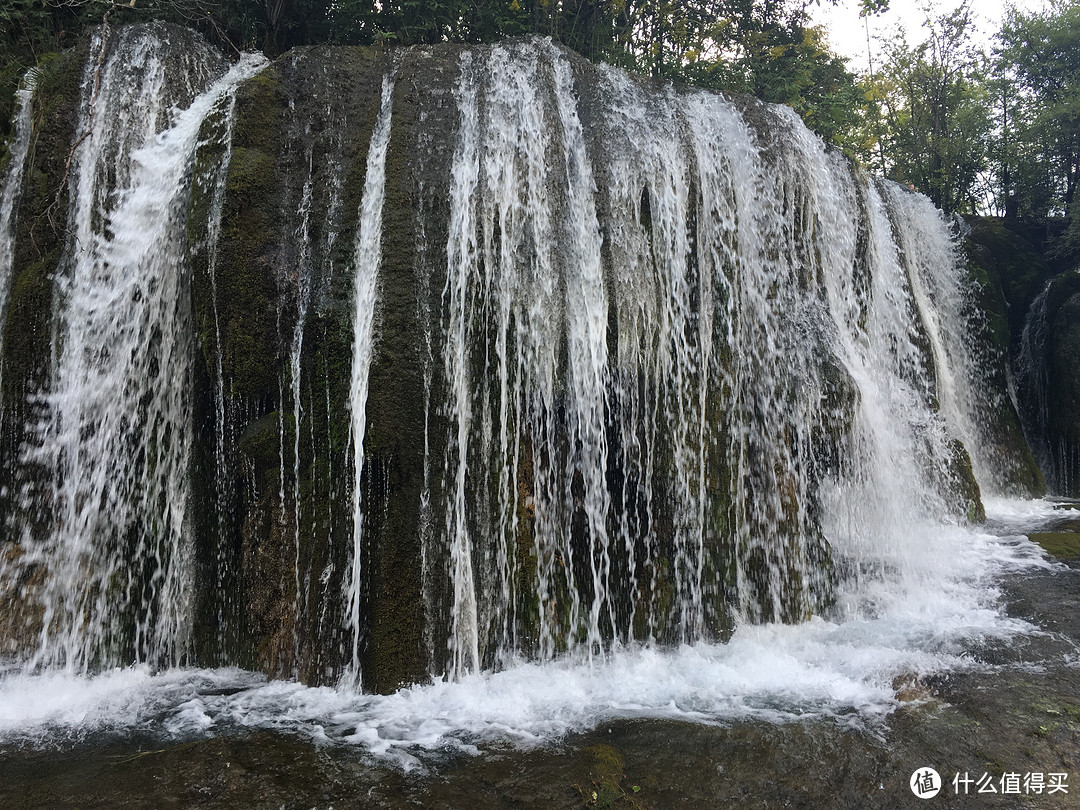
[(330, 236), (738, 277), (461, 252), (117, 439), (665, 347), (586, 325), (504, 251), (296, 348), (365, 269), (937, 271), (10, 192), (886, 482)]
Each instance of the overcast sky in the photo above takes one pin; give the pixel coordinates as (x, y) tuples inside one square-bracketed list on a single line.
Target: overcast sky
[(847, 32)]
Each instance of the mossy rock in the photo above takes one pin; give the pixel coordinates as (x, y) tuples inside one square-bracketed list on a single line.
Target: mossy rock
[(1064, 384), (247, 276), (26, 326), (39, 239), (962, 485), (261, 439), (1061, 397), (1058, 544), (1004, 257), (1006, 271)]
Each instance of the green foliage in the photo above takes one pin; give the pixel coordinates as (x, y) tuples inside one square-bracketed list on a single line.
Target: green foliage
[(935, 118), (868, 7), (760, 47), (409, 22), (1037, 101), (1059, 544), (938, 115), (763, 47)]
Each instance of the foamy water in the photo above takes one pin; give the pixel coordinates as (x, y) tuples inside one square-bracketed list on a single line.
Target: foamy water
[(840, 667)]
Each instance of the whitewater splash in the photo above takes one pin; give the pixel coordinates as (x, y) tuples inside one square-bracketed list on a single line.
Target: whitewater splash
[(842, 668)]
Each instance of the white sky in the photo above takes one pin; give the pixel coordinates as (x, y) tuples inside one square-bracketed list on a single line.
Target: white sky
[(847, 31)]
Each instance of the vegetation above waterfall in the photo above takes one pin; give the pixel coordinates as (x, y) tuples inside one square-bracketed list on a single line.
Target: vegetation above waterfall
[(977, 132)]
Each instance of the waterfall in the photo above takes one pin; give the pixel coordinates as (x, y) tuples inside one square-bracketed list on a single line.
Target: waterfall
[(504, 256), (461, 256), (684, 370), (116, 439), (771, 327), (672, 299)]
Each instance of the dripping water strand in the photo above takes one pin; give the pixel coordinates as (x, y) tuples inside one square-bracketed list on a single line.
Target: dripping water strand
[(10, 192), (296, 348), (461, 250), (366, 260), (586, 302), (222, 424)]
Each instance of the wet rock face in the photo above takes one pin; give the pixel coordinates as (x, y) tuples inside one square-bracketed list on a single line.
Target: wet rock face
[(1006, 272), (620, 340), (1030, 316), (275, 304), (1063, 385), (37, 246), (279, 314), (1046, 367), (44, 236)]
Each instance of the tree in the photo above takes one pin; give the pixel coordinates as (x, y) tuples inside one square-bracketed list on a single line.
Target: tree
[(762, 47), (937, 119), (1038, 57), (765, 48)]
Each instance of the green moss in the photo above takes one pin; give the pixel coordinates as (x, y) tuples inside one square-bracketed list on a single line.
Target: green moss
[(26, 326), (608, 786), (1011, 263), (1058, 544), (40, 230), (251, 176), (394, 441), (261, 439), (250, 240), (1063, 390), (39, 239), (244, 528), (962, 484), (991, 303)]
